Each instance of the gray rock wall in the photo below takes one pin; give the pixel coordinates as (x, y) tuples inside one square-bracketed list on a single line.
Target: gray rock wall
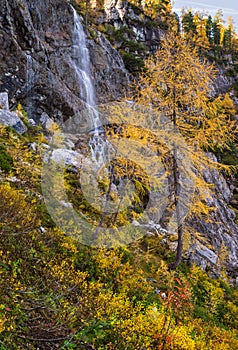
[(219, 229)]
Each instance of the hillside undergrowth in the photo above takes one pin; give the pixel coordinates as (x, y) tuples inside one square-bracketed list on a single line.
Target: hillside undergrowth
[(59, 294)]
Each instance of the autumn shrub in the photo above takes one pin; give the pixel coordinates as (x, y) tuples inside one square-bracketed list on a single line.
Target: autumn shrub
[(19, 158), (17, 214)]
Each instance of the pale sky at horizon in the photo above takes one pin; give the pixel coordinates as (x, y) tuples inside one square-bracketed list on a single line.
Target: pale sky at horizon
[(228, 7)]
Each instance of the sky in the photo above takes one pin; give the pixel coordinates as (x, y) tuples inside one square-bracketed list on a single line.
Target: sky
[(228, 7)]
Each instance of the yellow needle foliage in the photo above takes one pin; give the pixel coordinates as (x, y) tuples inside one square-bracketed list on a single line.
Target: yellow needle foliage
[(176, 89), (178, 81)]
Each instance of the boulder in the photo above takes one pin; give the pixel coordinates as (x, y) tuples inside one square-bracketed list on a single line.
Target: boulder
[(4, 104), (12, 119)]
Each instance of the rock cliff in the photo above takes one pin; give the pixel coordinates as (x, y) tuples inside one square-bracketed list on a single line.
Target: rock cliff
[(36, 49)]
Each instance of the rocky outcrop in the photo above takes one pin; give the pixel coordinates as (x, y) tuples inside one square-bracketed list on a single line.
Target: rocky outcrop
[(121, 13), (115, 9), (220, 231), (8, 118), (4, 104), (36, 51), (223, 83), (129, 29)]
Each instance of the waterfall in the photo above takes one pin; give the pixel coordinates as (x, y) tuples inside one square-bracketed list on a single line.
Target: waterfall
[(30, 80), (100, 147)]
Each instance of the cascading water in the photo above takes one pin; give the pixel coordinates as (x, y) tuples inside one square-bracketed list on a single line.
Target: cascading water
[(30, 80), (100, 147)]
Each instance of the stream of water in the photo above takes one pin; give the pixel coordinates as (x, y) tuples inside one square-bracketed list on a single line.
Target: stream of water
[(30, 81), (100, 147)]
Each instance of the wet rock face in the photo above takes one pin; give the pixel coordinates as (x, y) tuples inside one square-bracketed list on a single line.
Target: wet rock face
[(108, 81), (36, 49)]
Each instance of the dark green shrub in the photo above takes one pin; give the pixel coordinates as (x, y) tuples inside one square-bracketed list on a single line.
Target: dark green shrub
[(132, 63), (6, 160), (235, 87)]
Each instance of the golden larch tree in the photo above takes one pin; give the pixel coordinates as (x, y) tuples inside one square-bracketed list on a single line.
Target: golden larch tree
[(177, 84)]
